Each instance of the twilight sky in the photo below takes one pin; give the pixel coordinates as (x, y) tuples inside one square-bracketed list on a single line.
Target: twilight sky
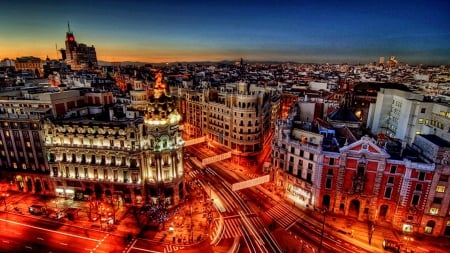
[(166, 31)]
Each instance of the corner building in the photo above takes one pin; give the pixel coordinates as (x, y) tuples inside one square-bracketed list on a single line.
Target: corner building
[(324, 166), (135, 160), (238, 116)]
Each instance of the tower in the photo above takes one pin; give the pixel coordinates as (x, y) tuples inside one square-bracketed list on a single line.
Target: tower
[(162, 148)]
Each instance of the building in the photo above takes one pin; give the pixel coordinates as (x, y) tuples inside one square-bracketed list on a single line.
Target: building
[(29, 66), (136, 159), (237, 116), (328, 166), (78, 56), (402, 114), (435, 219)]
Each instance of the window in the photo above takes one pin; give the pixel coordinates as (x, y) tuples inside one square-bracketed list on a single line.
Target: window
[(415, 200), (437, 200), (391, 180), (393, 169), (420, 121), (330, 172), (292, 150), (301, 153), (291, 169), (418, 187), (308, 177), (443, 178), (328, 183), (434, 211), (331, 162), (440, 188), (291, 159), (422, 110), (310, 166), (388, 193), (422, 176), (311, 157)]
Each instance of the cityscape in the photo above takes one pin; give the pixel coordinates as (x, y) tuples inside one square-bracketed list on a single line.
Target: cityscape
[(246, 150)]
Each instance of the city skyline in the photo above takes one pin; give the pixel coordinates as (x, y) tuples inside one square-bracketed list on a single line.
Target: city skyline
[(326, 32)]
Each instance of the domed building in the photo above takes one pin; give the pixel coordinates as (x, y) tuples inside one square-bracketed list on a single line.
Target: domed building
[(162, 147), (100, 155)]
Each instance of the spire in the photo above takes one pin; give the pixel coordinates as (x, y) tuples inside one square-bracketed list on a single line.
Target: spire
[(68, 26)]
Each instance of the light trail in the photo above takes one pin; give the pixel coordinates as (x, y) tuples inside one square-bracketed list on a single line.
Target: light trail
[(48, 230)]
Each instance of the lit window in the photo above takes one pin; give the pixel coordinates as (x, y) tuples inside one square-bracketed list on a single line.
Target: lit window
[(434, 210), (420, 121), (440, 188)]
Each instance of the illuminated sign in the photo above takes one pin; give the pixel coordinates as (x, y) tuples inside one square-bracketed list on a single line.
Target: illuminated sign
[(250, 183)]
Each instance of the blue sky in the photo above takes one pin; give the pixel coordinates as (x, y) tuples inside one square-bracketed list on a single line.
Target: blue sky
[(165, 31)]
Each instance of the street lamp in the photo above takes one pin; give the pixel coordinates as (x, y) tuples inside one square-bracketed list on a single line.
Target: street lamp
[(323, 212)]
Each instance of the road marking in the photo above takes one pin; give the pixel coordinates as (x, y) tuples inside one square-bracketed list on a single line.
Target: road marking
[(40, 238), (87, 249), (48, 230), (65, 244), (147, 250), (5, 241), (28, 247)]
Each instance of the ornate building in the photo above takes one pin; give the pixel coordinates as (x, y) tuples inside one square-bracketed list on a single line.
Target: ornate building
[(238, 116), (134, 160), (78, 55), (323, 165)]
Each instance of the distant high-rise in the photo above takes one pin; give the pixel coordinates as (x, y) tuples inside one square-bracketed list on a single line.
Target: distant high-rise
[(381, 60), (78, 55)]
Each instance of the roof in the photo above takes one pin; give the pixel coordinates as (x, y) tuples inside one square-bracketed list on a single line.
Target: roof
[(436, 140), (343, 114)]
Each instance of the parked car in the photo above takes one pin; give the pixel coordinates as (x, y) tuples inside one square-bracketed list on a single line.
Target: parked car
[(391, 245), (56, 214), (36, 209)]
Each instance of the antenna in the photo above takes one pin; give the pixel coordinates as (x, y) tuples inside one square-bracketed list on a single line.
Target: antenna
[(56, 47), (68, 25)]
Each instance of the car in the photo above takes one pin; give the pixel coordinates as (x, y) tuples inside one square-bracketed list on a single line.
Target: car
[(391, 245), (36, 209), (56, 214)]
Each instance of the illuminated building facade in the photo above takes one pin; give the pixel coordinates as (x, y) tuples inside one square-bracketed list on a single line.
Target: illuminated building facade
[(22, 153), (323, 166), (238, 116), (30, 64), (135, 159)]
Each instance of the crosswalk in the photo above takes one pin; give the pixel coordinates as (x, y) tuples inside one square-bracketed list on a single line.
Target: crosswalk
[(282, 215), (234, 226)]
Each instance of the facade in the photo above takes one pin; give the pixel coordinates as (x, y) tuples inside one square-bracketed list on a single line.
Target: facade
[(23, 160), (403, 114), (134, 160), (237, 116), (32, 65), (321, 166), (78, 55)]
